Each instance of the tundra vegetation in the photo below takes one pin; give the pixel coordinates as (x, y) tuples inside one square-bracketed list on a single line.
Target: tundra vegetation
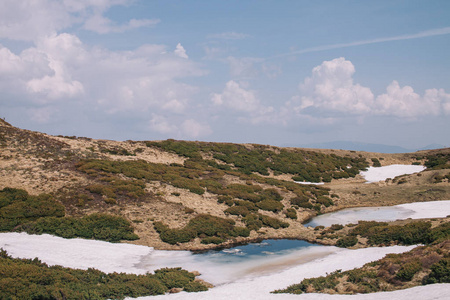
[(20, 211), (32, 279), (423, 265), (115, 191)]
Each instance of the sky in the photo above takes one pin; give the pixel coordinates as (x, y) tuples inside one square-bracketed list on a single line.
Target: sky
[(272, 72)]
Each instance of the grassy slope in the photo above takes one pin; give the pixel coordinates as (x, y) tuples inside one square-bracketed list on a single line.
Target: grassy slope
[(250, 186)]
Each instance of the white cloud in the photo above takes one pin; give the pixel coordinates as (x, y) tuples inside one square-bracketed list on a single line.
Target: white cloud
[(194, 129), (180, 51), (331, 87), (100, 24), (29, 20), (60, 68), (404, 102), (236, 98), (162, 125), (231, 35)]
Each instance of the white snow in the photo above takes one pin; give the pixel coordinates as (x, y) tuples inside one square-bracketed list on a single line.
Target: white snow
[(307, 182), (109, 257), (382, 173), (75, 253)]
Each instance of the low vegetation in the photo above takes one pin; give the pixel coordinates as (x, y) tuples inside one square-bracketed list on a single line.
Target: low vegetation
[(209, 228), (422, 265), (20, 211), (382, 233), (303, 165), (32, 279)]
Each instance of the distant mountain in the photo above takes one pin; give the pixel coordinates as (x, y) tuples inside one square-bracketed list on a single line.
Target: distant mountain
[(368, 147), (432, 146), (356, 146)]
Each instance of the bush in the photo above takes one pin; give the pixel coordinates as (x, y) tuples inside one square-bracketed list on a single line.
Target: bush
[(270, 205), (346, 242), (17, 208), (375, 162), (95, 226), (440, 272), (291, 213), (200, 226), (273, 222), (32, 279), (237, 210), (408, 270), (252, 222)]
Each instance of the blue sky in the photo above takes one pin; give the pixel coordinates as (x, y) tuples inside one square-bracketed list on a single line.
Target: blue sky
[(269, 72)]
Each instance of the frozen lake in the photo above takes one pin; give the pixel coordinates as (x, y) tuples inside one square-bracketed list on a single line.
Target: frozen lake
[(418, 210)]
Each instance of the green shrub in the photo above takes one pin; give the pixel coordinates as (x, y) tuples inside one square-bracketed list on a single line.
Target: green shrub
[(241, 231), (346, 242), (375, 162), (335, 227), (270, 205), (408, 270), (252, 222), (273, 222), (17, 208), (237, 210), (291, 213), (200, 226), (440, 272), (95, 226), (408, 234), (32, 279)]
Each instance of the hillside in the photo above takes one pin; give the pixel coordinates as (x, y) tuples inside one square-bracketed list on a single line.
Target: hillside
[(195, 195)]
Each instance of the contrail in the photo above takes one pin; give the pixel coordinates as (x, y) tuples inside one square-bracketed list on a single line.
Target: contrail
[(422, 34)]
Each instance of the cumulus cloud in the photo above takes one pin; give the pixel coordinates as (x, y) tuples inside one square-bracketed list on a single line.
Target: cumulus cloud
[(331, 89), (194, 129), (180, 51), (404, 102), (28, 19), (60, 68), (162, 125), (236, 98)]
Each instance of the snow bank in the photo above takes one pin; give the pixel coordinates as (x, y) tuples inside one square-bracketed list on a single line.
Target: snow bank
[(383, 173), (345, 259), (307, 182), (75, 253), (109, 257)]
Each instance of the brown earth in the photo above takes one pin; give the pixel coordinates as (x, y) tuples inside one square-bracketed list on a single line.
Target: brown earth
[(41, 163)]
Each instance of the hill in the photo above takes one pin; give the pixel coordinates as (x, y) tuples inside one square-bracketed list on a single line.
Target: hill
[(192, 195)]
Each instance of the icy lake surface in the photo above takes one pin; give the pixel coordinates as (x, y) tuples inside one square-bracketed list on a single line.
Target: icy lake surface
[(245, 272), (432, 209)]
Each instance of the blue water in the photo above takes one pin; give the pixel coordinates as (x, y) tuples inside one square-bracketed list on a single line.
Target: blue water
[(256, 250)]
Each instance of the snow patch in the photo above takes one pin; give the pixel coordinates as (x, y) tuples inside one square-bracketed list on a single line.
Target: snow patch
[(375, 174)]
